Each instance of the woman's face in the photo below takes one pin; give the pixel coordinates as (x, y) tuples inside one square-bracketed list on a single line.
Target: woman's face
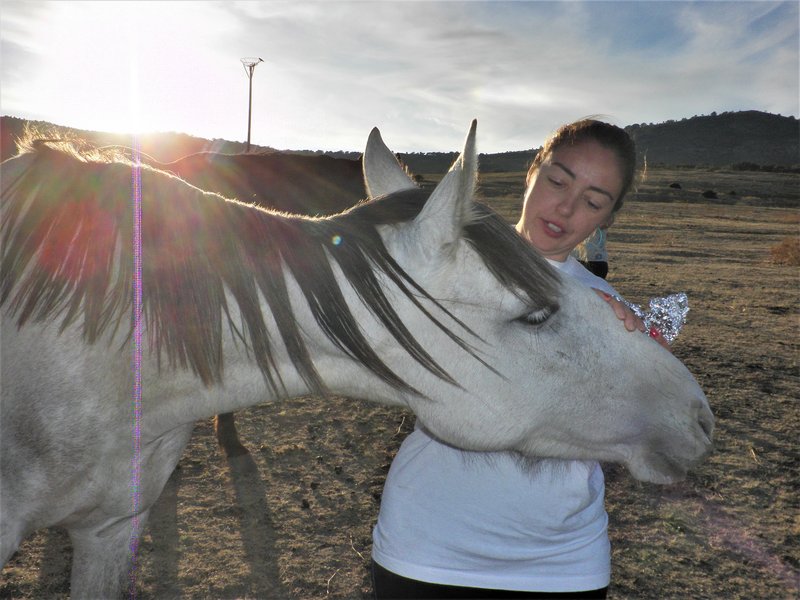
[(572, 194)]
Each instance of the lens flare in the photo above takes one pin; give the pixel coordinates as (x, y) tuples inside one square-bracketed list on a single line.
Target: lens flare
[(136, 467)]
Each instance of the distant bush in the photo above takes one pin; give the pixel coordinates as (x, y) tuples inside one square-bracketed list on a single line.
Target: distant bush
[(745, 166), (711, 194), (675, 186), (787, 252)]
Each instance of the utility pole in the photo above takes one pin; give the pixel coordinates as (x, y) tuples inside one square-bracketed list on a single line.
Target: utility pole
[(249, 64)]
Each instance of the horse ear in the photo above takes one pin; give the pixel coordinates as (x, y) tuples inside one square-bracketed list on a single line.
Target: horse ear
[(383, 174), (449, 207)]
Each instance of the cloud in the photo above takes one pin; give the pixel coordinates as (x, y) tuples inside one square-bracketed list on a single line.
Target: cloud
[(419, 70), (19, 50), (522, 68)]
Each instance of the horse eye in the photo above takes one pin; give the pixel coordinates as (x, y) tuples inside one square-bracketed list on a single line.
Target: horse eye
[(536, 317)]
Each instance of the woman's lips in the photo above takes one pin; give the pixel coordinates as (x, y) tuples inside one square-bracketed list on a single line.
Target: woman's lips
[(552, 229)]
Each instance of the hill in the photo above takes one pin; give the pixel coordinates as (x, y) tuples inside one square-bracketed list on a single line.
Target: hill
[(716, 140), (735, 138), (731, 138), (747, 138)]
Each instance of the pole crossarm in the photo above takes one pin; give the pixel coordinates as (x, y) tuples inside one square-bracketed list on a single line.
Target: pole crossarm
[(249, 63)]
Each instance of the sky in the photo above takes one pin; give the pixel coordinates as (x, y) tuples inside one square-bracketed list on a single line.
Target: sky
[(418, 70)]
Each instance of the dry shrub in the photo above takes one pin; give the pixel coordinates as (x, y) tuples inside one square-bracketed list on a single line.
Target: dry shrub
[(787, 252)]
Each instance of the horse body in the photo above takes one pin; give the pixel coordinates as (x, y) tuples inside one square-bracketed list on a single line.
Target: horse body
[(431, 303), (291, 183)]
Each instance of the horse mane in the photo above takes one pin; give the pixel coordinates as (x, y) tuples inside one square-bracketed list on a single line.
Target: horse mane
[(67, 253)]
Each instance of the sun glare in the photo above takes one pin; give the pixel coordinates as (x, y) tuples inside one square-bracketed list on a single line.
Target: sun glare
[(110, 64), (89, 60), (131, 16), (130, 67), (134, 97)]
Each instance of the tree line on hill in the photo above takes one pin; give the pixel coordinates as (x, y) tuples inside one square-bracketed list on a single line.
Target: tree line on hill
[(747, 140), (729, 138)]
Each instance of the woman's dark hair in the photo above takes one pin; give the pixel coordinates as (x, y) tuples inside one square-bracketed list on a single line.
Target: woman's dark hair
[(609, 136)]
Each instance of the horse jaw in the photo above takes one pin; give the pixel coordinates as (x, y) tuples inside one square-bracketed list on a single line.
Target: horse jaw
[(645, 409)]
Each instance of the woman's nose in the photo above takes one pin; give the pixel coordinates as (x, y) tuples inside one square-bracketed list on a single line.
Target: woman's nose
[(566, 205)]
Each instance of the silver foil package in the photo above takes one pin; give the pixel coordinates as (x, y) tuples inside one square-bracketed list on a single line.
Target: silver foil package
[(667, 314)]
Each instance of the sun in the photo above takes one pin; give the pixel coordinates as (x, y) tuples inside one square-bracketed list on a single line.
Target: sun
[(134, 119), (126, 67), (130, 114), (84, 66)]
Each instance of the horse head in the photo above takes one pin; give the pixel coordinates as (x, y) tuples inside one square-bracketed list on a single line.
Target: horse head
[(565, 379)]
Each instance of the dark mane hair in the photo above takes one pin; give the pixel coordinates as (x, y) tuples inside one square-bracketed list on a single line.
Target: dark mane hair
[(67, 253)]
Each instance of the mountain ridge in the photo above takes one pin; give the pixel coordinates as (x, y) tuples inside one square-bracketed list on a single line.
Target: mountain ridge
[(715, 140)]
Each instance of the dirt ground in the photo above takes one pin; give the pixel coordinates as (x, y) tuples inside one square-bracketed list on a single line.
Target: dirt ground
[(293, 519)]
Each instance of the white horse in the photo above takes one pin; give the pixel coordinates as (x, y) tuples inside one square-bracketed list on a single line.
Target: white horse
[(430, 302)]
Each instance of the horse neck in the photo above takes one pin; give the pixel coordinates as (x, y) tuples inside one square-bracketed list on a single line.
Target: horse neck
[(177, 396)]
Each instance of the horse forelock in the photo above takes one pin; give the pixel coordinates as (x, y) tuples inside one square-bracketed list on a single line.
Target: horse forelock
[(67, 254)]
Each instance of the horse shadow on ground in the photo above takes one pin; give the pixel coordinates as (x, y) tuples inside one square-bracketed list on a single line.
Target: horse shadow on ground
[(163, 527), (255, 527), (258, 533), (54, 568)]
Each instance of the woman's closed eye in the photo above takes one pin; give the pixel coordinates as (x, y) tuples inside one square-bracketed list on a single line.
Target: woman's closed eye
[(594, 204)]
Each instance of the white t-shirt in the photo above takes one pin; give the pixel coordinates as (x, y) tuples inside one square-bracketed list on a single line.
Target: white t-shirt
[(487, 520)]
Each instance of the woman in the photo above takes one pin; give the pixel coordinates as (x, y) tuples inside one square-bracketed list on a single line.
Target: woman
[(457, 524)]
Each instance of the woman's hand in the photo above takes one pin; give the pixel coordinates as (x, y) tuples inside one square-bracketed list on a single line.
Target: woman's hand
[(632, 322)]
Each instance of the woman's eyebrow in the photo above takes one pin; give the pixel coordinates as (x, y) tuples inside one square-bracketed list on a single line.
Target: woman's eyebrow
[(594, 188), (564, 168)]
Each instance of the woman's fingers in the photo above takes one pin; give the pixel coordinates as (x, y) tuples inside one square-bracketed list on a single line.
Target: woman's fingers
[(656, 335), (631, 321)]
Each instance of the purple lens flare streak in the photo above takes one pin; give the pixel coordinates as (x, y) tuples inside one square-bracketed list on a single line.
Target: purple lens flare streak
[(136, 197)]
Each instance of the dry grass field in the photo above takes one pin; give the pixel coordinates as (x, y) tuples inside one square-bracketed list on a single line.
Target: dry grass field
[(293, 520)]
